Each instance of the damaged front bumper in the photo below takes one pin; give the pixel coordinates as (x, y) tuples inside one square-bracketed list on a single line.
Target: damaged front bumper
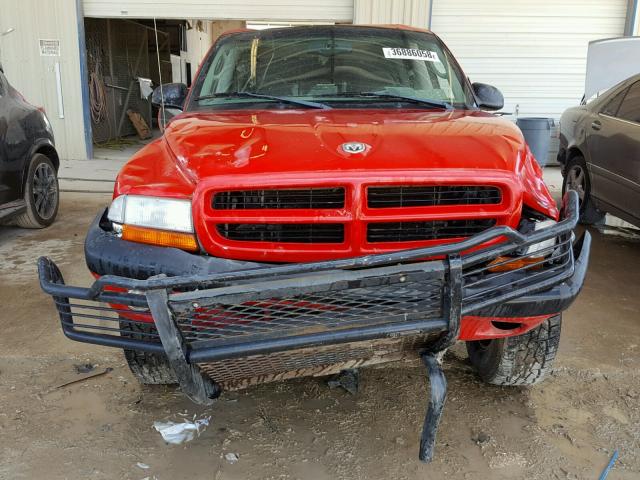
[(317, 314)]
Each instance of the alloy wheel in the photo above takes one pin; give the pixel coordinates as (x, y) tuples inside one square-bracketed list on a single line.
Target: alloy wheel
[(45, 191)]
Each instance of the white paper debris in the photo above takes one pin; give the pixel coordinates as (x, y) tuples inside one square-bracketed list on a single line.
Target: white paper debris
[(143, 466), (231, 458), (177, 433)]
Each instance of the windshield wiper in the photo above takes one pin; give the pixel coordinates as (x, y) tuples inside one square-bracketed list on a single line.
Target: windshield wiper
[(293, 101), (395, 96)]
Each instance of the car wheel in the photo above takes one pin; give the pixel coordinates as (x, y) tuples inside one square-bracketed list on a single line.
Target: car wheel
[(521, 360), (41, 194), (148, 368), (577, 178)]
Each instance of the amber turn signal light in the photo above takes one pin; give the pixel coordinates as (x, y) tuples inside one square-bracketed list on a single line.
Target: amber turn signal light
[(506, 264), (162, 238)]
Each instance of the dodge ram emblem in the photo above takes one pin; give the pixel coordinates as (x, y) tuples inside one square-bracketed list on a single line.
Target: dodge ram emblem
[(354, 147)]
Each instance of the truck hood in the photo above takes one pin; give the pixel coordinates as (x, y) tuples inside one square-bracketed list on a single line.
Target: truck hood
[(605, 67), (268, 141)]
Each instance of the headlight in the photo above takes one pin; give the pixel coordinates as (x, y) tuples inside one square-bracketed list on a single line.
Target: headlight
[(545, 245), (164, 222), (526, 258), (152, 212)]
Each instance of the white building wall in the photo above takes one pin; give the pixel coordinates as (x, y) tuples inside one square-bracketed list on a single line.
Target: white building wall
[(405, 12), (325, 10), (35, 75), (534, 51)]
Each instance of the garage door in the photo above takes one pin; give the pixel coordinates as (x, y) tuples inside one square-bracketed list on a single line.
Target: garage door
[(533, 51), (290, 10)]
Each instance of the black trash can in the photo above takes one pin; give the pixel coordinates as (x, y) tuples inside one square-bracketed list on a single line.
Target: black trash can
[(537, 133)]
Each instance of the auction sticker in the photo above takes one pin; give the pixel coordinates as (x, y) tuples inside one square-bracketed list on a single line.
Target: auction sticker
[(410, 54)]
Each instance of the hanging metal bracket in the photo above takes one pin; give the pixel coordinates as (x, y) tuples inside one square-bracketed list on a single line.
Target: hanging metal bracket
[(195, 385)]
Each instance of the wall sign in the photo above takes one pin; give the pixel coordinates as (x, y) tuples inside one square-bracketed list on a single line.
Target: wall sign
[(49, 48)]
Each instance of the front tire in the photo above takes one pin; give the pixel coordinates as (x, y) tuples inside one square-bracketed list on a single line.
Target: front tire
[(521, 360), (41, 194), (577, 178), (148, 368)]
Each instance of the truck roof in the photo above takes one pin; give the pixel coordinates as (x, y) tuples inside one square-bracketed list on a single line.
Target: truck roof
[(337, 26)]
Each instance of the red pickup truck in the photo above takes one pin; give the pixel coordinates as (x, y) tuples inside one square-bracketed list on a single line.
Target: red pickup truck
[(327, 198)]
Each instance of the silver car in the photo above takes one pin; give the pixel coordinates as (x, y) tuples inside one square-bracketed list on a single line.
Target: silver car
[(600, 153)]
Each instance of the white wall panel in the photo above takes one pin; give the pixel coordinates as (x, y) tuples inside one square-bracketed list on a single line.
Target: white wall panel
[(405, 12), (34, 75), (326, 10), (533, 51)]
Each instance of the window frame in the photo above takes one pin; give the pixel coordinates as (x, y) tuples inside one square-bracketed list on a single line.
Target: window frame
[(635, 84), (622, 93)]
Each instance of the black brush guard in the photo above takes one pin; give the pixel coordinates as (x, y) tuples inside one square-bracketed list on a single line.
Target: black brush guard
[(205, 318)]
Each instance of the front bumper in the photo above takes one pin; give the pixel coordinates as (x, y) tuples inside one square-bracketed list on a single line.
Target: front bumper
[(259, 311), (106, 254)]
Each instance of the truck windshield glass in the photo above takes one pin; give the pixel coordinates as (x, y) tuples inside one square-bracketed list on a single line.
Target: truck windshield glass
[(337, 66)]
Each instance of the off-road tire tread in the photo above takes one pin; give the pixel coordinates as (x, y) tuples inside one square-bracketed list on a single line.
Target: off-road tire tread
[(29, 219), (521, 360), (589, 213), (148, 368)]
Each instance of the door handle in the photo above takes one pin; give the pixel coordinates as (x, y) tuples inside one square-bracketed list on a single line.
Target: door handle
[(596, 125)]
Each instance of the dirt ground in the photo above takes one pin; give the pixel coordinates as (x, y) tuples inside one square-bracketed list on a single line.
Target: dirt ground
[(566, 427)]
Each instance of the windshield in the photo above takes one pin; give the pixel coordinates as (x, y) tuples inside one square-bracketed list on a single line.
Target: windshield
[(339, 66)]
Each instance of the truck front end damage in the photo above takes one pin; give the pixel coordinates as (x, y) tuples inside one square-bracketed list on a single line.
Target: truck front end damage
[(232, 324)]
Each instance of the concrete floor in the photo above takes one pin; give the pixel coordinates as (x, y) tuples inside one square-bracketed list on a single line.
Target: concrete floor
[(566, 427)]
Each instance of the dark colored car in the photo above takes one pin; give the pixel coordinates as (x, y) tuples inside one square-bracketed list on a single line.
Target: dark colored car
[(29, 193), (600, 153), (329, 197)]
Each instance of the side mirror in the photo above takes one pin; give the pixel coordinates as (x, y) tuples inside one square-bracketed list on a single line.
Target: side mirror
[(487, 96), (173, 94)]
